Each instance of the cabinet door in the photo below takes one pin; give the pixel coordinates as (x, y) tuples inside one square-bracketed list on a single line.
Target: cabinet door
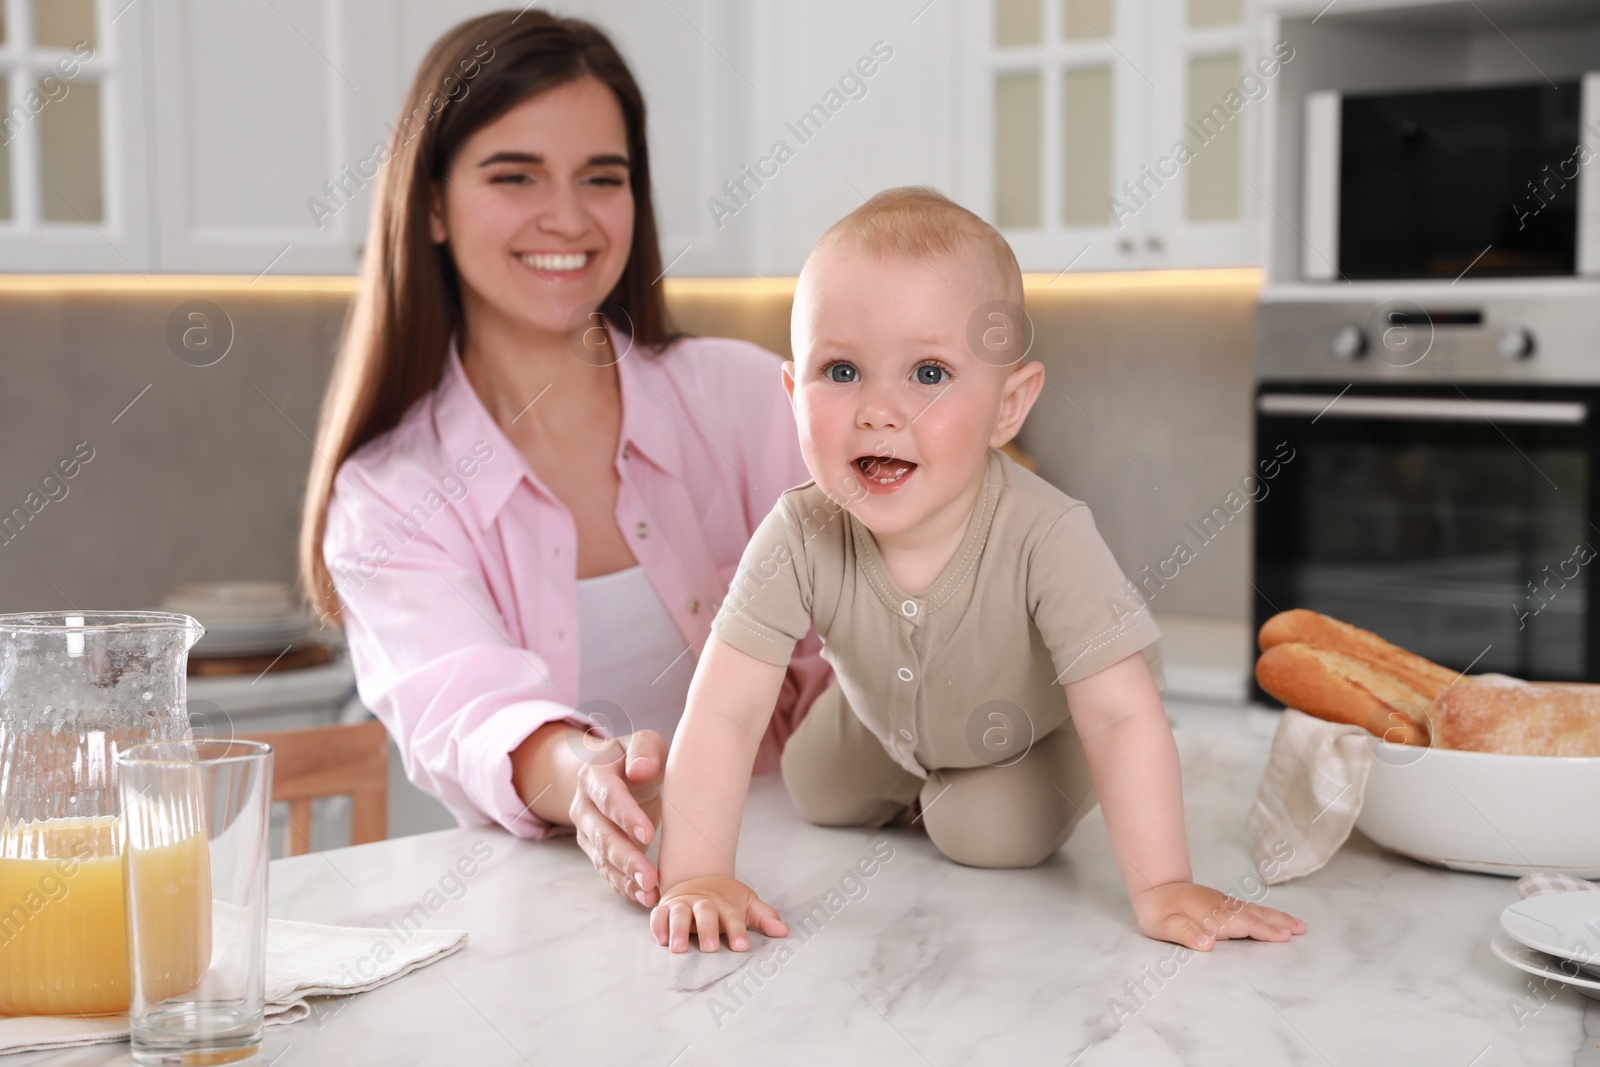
[(73, 168), (1194, 183), (254, 169), (1059, 94)]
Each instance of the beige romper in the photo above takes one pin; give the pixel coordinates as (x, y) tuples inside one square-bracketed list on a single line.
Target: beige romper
[(953, 695)]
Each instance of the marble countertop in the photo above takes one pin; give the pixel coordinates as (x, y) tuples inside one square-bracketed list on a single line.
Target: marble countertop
[(925, 962)]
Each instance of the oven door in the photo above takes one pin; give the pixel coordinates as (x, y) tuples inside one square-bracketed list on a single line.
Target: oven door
[(1455, 522)]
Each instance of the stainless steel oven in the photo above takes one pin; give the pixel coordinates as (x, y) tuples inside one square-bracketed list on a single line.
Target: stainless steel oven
[(1443, 473)]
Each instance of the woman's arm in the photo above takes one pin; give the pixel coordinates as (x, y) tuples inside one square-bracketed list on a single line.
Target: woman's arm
[(434, 659)]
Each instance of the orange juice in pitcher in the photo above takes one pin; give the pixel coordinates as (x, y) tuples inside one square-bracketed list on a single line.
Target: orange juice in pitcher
[(74, 688)]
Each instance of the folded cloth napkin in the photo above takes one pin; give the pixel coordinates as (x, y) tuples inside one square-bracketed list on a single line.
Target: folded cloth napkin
[(303, 960), (1310, 795), (1539, 883)]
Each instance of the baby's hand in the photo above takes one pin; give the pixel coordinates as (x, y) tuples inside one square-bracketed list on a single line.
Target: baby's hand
[(1196, 915), (710, 904)]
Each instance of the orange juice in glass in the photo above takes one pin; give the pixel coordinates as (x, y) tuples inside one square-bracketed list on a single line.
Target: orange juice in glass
[(75, 687)]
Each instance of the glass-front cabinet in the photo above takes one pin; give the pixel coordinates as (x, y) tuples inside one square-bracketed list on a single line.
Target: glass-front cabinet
[(1114, 134), (71, 146)]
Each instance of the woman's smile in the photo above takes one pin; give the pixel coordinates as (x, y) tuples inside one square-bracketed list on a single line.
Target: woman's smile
[(557, 266)]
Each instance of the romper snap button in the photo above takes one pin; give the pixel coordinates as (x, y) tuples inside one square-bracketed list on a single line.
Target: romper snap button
[(906, 734), (905, 674), (694, 606), (909, 608), (644, 529)]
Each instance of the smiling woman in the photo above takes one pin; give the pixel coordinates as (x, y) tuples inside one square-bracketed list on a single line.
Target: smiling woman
[(529, 645)]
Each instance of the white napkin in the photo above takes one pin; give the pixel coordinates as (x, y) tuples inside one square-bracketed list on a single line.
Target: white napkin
[(1539, 883), (303, 960), (1310, 794)]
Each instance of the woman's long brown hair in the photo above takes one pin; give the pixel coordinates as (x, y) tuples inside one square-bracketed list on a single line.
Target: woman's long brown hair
[(397, 336)]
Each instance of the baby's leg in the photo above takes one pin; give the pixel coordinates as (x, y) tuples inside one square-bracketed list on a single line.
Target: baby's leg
[(838, 773), (1015, 815)]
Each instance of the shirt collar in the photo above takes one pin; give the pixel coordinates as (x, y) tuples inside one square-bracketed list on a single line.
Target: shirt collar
[(650, 405)]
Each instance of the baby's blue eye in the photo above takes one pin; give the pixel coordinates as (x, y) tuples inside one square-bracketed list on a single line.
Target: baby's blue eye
[(931, 374), (842, 372)]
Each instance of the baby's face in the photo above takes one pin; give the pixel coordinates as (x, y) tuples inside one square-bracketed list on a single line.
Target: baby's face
[(896, 411)]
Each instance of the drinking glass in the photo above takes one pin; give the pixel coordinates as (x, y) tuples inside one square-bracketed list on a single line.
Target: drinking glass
[(195, 816)]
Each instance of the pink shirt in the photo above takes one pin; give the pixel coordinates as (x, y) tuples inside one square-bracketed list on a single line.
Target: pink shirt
[(457, 568)]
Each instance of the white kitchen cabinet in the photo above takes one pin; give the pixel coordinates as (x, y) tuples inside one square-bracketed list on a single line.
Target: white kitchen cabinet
[(1075, 108), (73, 148)]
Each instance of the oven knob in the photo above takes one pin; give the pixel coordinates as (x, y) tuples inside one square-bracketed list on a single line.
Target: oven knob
[(1349, 342), (1515, 342)]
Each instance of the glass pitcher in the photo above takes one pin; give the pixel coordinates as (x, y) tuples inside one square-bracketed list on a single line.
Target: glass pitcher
[(75, 688)]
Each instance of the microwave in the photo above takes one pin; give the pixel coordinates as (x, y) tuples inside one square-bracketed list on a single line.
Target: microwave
[(1482, 181)]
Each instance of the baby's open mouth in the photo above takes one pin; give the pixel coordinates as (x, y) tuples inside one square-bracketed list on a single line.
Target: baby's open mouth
[(884, 470)]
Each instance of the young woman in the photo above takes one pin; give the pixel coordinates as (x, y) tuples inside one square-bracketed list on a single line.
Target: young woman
[(529, 493)]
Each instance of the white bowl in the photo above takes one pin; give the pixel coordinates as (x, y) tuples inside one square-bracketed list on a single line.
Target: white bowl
[(1485, 812)]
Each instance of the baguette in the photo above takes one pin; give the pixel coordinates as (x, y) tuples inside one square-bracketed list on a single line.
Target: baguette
[(1341, 687), (1328, 634), (1519, 718)]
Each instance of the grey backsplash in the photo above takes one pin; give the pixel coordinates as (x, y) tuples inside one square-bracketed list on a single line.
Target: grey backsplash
[(1145, 415)]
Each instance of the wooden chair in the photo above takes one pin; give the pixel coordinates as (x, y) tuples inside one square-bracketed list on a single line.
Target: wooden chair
[(331, 761)]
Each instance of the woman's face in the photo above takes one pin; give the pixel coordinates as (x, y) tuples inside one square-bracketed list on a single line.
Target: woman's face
[(537, 208)]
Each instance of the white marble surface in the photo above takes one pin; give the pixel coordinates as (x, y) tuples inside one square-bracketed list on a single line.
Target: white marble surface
[(935, 964)]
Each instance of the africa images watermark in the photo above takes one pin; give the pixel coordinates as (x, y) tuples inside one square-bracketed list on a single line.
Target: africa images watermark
[(407, 526), (52, 887), (343, 187), (1581, 557), (51, 89), (448, 887), (1252, 86), (1580, 158), (1207, 527), (1252, 888), (852, 85), (52, 489), (763, 965)]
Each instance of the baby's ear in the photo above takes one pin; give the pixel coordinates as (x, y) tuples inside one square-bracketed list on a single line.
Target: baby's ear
[(1022, 387), (788, 378)]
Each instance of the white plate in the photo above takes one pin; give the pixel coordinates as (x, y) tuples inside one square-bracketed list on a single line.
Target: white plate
[(1526, 959), (1565, 925)]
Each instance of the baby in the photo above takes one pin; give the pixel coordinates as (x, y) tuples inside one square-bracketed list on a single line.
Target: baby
[(989, 670)]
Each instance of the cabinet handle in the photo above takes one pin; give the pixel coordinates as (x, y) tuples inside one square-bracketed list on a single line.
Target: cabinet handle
[(1154, 244), (1125, 246)]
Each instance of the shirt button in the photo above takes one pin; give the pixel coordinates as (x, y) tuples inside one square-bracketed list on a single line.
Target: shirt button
[(694, 607), (906, 734), (643, 529), (627, 451), (905, 674), (909, 608)]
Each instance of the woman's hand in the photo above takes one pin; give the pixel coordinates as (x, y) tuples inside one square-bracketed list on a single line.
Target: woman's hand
[(709, 906), (1196, 916), (616, 808)]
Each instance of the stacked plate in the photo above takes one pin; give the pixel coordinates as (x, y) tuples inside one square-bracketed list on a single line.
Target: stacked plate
[(1554, 936), (243, 618)]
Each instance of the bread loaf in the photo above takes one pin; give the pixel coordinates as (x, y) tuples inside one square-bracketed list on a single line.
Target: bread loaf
[(1505, 715), (1340, 687), (1322, 632)]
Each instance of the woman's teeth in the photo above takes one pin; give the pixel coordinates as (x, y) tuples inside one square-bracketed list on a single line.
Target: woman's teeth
[(884, 471), (554, 261)]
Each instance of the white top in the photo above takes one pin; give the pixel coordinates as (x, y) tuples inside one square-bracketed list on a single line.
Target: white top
[(631, 655)]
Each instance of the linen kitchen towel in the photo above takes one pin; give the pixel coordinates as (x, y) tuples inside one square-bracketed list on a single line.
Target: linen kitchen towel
[(303, 960), (1310, 794)]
